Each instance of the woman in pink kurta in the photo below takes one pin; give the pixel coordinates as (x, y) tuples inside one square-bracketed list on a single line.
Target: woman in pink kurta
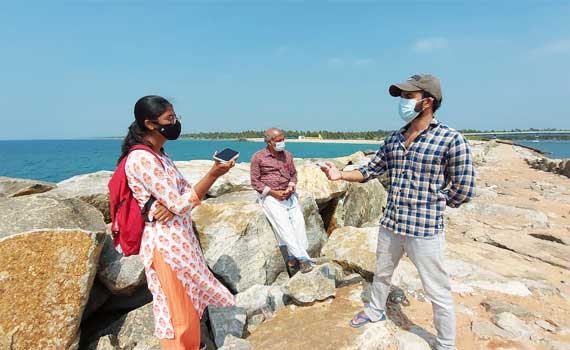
[(168, 238)]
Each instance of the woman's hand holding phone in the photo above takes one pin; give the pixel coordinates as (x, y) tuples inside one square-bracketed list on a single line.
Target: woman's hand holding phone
[(219, 168)]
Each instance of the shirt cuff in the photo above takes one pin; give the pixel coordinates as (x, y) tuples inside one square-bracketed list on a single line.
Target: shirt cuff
[(194, 199), (364, 173), (448, 200), (265, 191)]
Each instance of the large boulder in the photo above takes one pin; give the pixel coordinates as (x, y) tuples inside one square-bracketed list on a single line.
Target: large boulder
[(317, 285), (311, 181), (226, 321), (354, 249), (239, 243), (35, 212), (260, 302), (237, 179), (254, 298), (120, 274), (314, 226), (132, 329), (13, 187), (363, 203), (45, 282), (90, 188)]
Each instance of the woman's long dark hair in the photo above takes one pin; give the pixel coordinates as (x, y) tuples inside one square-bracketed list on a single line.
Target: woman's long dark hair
[(146, 108)]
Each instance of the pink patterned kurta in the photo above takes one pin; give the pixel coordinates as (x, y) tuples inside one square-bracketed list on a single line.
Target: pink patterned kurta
[(175, 239)]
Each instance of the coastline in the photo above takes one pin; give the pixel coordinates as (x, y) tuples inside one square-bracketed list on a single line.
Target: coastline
[(58, 160), (363, 142)]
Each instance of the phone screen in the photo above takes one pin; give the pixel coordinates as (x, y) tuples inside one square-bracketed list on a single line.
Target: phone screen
[(226, 154)]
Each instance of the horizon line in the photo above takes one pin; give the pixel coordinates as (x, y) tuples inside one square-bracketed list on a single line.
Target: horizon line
[(238, 132)]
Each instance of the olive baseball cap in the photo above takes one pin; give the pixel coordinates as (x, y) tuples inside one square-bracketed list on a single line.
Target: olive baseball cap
[(418, 82)]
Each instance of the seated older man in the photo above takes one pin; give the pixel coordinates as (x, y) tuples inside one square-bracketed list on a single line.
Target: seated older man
[(274, 176)]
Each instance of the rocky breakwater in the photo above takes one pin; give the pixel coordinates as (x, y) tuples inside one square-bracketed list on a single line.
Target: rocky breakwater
[(557, 166), (507, 257)]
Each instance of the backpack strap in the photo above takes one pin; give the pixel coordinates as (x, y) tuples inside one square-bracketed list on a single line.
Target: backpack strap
[(151, 200), (146, 208)]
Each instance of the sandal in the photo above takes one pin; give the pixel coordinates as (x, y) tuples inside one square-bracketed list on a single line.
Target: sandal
[(361, 319), (305, 266)]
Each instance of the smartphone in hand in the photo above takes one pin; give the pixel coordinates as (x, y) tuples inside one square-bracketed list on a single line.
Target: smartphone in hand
[(226, 155)]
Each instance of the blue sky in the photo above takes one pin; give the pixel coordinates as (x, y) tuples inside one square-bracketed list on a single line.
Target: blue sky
[(76, 68)]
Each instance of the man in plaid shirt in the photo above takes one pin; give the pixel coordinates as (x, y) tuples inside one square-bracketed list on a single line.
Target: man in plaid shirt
[(430, 167)]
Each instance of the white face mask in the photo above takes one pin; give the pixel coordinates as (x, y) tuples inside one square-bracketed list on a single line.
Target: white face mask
[(280, 146), (407, 109)]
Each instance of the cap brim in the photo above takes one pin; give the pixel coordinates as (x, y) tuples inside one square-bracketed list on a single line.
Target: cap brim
[(396, 89)]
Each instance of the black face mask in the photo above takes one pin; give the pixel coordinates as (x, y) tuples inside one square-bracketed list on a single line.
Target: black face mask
[(170, 131)]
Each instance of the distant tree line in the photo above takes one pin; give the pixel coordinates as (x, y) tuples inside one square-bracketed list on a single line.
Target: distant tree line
[(329, 135), (350, 135), (512, 130)]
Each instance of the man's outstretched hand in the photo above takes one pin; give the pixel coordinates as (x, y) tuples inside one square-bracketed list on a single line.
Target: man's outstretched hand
[(331, 171)]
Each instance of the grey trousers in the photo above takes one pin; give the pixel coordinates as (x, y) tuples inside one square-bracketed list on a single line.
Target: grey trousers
[(427, 255)]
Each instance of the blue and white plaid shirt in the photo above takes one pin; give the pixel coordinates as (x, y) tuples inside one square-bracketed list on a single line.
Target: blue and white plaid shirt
[(437, 170)]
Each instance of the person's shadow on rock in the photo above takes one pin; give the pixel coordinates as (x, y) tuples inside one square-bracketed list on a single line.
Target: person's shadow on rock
[(396, 314)]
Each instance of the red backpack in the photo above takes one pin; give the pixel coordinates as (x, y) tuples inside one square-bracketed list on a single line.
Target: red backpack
[(127, 218)]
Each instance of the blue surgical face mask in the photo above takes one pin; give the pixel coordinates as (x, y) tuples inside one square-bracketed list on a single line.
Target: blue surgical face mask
[(407, 109)]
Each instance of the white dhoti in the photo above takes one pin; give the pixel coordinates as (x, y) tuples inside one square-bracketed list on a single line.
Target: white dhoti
[(287, 220)]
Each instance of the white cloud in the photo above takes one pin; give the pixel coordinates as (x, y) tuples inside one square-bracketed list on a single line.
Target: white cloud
[(430, 44), (363, 62), (557, 47)]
